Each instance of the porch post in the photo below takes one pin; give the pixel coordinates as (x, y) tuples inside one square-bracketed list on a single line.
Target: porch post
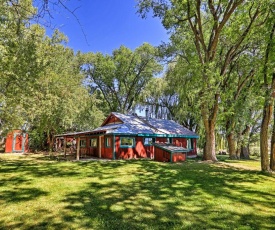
[(78, 148), (65, 144), (114, 147), (99, 146)]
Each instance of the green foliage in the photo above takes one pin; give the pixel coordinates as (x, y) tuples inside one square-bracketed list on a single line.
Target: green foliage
[(216, 50), (18, 64), (122, 76), (58, 101), (41, 85)]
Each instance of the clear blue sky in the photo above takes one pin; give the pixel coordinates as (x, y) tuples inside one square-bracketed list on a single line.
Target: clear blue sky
[(106, 24)]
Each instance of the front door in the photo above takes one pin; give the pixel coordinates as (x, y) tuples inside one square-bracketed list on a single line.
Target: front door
[(18, 142)]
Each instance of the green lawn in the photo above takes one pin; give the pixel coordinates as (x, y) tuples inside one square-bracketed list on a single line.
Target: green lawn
[(37, 193)]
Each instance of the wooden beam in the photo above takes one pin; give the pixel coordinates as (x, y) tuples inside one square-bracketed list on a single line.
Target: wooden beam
[(65, 143), (78, 148), (99, 146), (114, 147)]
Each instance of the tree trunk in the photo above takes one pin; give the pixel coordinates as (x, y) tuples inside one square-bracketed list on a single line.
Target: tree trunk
[(209, 116), (267, 111), (264, 136), (245, 154), (231, 146), (209, 149), (272, 149), (49, 143), (238, 152), (272, 152)]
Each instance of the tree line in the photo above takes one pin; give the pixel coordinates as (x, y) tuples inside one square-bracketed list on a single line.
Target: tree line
[(218, 75)]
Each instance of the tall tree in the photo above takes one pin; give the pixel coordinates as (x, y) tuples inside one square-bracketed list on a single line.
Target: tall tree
[(242, 88), (269, 89), (209, 25), (40, 80), (122, 76), (58, 101), (18, 66), (160, 97)]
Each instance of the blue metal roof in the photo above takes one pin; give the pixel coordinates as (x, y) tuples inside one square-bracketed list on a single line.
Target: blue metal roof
[(171, 148), (133, 124), (170, 127)]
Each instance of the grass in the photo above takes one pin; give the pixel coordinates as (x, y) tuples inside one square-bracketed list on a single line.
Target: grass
[(37, 193)]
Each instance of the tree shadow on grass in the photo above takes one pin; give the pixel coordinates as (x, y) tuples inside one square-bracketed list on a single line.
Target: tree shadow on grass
[(151, 195), (47, 221), (38, 169), (21, 194), (164, 196)]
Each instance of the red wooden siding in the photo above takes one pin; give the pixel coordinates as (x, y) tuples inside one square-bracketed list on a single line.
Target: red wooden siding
[(107, 152), (92, 151), (142, 151), (182, 142), (9, 142), (165, 156), (138, 151), (17, 141), (112, 119), (161, 139), (193, 152), (161, 155), (178, 157)]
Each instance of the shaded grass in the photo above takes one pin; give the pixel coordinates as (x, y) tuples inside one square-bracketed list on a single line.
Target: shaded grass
[(36, 193)]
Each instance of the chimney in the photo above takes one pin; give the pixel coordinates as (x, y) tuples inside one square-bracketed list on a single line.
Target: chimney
[(147, 114)]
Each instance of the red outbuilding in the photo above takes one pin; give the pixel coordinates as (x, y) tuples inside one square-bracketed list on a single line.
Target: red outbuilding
[(131, 136), (169, 153), (17, 142)]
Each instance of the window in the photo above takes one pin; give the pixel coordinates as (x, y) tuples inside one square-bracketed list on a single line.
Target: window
[(107, 141), (93, 142), (127, 142), (189, 144), (148, 140), (169, 140), (83, 143)]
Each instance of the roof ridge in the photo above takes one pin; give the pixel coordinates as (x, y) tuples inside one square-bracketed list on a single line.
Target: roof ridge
[(147, 123)]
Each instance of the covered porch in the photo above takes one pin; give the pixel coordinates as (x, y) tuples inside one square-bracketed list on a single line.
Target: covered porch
[(76, 146)]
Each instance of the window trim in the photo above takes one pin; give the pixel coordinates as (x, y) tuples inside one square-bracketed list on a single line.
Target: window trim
[(81, 143), (127, 146), (153, 141), (91, 143), (190, 140), (108, 142)]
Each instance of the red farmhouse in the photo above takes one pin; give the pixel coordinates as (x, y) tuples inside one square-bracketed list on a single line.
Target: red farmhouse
[(131, 136)]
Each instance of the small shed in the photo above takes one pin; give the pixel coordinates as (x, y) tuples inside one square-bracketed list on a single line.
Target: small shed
[(166, 152), (17, 142)]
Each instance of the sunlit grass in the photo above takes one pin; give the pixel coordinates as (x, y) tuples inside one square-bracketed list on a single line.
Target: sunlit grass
[(37, 193)]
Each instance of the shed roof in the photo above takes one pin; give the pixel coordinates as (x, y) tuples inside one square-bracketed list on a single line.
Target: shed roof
[(171, 148)]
